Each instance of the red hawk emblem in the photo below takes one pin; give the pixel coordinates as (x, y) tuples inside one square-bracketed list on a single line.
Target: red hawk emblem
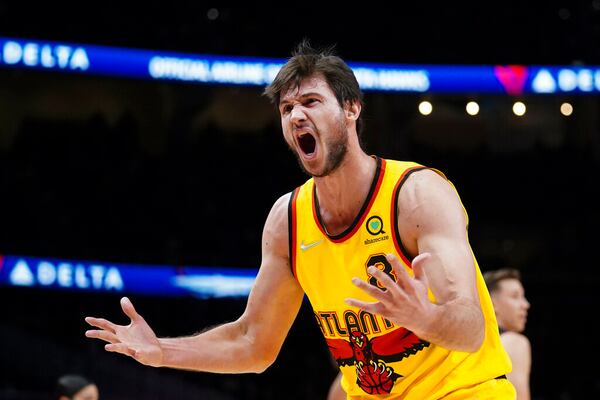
[(369, 356)]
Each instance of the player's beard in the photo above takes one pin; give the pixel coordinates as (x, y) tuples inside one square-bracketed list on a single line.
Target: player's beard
[(337, 147)]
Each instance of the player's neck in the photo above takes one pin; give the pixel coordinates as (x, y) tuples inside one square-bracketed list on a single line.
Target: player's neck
[(342, 193)]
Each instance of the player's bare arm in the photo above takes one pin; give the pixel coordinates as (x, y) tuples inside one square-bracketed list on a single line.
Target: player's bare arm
[(433, 228), (249, 344)]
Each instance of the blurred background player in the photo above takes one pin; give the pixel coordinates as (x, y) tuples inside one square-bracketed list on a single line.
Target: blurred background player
[(511, 306), (75, 387)]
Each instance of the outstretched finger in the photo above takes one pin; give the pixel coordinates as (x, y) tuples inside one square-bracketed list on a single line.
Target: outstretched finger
[(101, 323), (128, 309), (373, 308), (401, 273), (102, 335), (369, 289), (120, 348), (384, 279), (418, 264)]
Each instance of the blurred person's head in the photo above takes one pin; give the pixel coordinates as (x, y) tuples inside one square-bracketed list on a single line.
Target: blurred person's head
[(76, 387), (508, 297)]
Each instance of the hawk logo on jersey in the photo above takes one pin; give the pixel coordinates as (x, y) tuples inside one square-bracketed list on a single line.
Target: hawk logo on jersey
[(369, 356)]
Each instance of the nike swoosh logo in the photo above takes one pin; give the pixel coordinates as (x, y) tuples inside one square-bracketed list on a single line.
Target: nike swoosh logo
[(307, 246)]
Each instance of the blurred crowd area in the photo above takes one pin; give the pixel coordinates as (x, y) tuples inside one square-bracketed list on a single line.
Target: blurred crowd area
[(164, 173)]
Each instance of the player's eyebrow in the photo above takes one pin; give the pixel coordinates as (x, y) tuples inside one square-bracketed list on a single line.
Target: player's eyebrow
[(302, 96)]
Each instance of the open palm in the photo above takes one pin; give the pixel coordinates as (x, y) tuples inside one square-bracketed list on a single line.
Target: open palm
[(136, 340)]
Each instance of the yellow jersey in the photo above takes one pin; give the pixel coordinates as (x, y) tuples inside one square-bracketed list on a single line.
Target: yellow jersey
[(379, 359)]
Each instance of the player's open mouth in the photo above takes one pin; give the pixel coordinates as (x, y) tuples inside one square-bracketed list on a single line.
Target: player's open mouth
[(307, 143)]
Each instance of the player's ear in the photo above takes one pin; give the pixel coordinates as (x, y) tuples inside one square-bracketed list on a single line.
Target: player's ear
[(352, 109)]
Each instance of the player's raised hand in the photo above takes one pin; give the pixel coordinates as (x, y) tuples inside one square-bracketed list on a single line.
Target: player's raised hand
[(136, 340), (404, 302)]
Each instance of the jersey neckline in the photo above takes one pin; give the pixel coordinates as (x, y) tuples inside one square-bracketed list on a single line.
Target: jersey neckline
[(364, 210)]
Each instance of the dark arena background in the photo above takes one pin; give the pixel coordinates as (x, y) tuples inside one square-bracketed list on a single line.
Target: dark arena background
[(99, 170)]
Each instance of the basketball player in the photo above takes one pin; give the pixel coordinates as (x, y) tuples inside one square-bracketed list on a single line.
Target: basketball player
[(511, 306), (379, 247)]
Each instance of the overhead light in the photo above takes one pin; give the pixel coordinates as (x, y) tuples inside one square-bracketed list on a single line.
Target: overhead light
[(519, 108), (472, 108), (425, 108), (566, 109)]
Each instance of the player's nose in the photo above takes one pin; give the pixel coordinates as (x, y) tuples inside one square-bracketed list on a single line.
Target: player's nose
[(297, 115)]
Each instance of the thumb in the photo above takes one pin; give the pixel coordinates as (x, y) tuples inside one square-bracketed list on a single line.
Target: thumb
[(418, 267), (129, 310)]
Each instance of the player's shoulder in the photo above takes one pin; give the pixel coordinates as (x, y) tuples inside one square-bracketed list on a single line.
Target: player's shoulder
[(276, 227), (425, 195), (283, 201), (411, 171), (516, 341), (424, 181), (281, 211)]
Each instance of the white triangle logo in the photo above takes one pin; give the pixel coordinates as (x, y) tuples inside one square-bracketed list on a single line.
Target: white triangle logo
[(544, 82), (21, 274)]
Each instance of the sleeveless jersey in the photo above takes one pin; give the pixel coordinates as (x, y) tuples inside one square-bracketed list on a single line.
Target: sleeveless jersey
[(376, 356)]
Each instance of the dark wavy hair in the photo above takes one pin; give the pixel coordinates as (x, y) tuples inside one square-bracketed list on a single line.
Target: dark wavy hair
[(307, 61)]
